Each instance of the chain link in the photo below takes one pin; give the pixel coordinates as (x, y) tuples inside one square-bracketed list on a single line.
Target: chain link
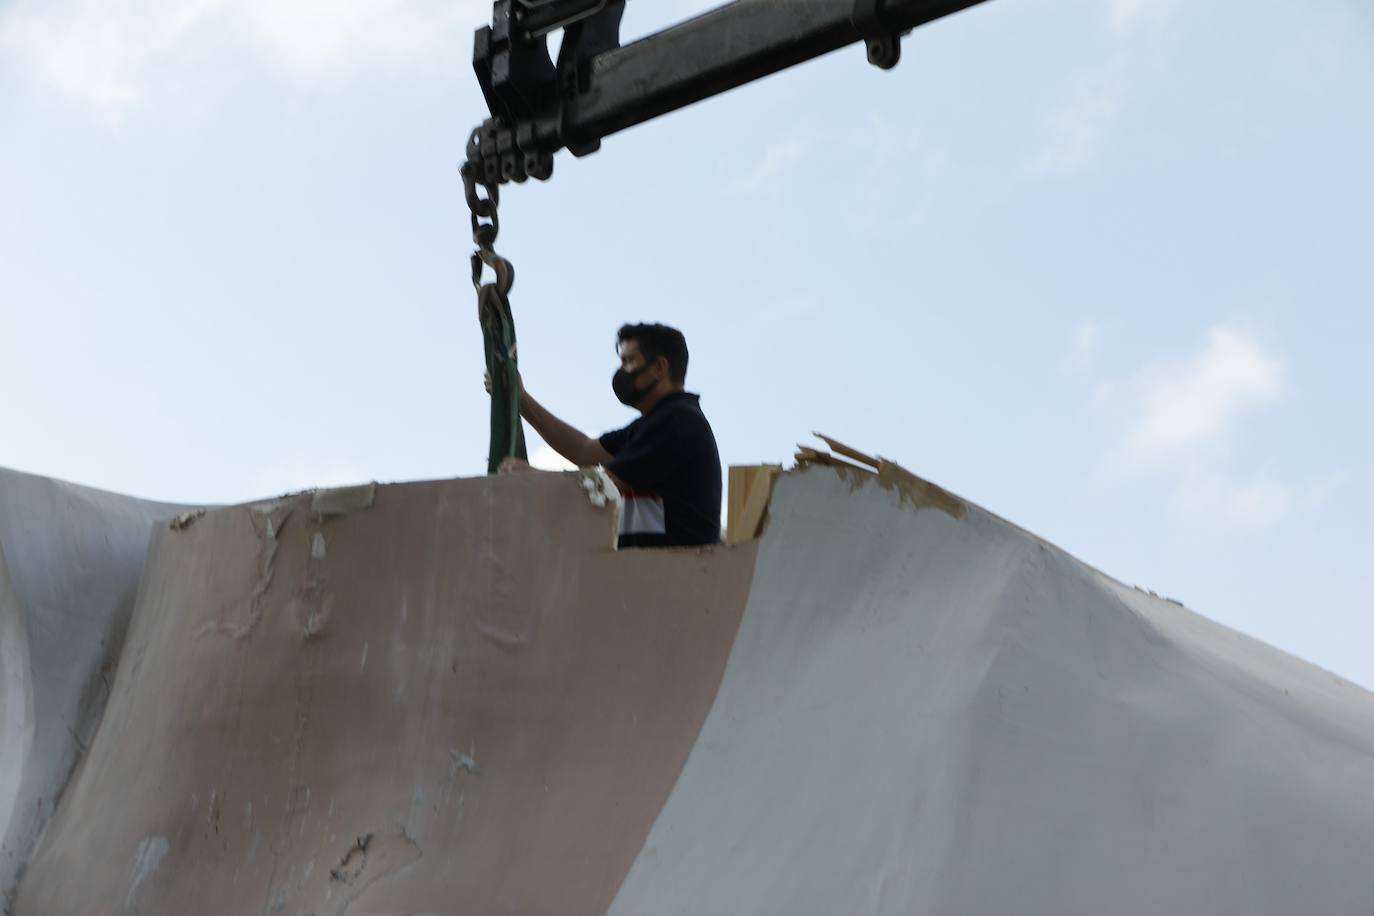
[(486, 225), (493, 304), (494, 315)]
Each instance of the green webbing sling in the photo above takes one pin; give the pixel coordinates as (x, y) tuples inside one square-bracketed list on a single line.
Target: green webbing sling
[(498, 340)]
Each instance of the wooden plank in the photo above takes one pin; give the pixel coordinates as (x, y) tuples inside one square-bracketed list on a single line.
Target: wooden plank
[(750, 488), (740, 477), (756, 507), (807, 455), (848, 452)]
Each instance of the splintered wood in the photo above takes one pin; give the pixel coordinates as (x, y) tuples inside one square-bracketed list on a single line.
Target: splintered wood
[(750, 488), (851, 453), (806, 455)]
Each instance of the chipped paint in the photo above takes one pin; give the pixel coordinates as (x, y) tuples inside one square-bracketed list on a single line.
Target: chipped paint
[(151, 851), (353, 861), (185, 519), (268, 525), (466, 762), (312, 606), (912, 491), (343, 500), (919, 493), (597, 486), (372, 856)]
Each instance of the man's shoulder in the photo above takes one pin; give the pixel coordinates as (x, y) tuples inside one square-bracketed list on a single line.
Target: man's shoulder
[(682, 404), (681, 417), (675, 416)]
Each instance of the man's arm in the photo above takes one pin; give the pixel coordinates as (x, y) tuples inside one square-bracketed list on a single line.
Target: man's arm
[(582, 450)]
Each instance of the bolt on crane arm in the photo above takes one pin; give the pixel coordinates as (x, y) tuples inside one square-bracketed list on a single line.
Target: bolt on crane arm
[(598, 87)]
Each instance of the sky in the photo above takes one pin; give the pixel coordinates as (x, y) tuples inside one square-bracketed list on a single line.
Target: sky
[(1099, 266)]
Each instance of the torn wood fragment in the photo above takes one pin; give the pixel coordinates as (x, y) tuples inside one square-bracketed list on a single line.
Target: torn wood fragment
[(848, 452)]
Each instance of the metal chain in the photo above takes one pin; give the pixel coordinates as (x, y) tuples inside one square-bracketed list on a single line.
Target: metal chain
[(494, 314), (484, 233), (493, 302)]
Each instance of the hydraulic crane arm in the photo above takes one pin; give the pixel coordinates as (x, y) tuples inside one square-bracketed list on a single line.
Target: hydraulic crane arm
[(598, 87)]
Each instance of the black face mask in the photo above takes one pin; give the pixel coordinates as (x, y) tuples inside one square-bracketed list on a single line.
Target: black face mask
[(623, 384)]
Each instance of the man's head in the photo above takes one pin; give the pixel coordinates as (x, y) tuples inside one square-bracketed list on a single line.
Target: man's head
[(653, 364)]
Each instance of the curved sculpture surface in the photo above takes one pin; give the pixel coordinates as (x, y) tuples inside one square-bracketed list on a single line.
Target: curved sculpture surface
[(447, 697), (70, 560), (456, 697)]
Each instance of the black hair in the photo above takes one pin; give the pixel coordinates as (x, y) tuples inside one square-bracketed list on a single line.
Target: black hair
[(657, 340)]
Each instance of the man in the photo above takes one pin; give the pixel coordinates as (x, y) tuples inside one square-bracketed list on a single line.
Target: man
[(665, 463)]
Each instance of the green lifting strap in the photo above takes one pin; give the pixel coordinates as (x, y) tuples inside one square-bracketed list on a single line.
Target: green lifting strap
[(503, 367)]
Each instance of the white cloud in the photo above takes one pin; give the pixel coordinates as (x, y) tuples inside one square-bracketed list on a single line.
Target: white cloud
[(777, 158), (1084, 344), (1126, 16), (772, 164), (1179, 420), (891, 140), (111, 55), (1260, 501), (1253, 501), (1073, 133), (1198, 401), (96, 54), (322, 39)]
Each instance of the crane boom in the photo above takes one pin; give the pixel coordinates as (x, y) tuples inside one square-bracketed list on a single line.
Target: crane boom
[(599, 87)]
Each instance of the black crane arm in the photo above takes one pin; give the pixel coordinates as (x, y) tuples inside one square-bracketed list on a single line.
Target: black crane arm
[(598, 87)]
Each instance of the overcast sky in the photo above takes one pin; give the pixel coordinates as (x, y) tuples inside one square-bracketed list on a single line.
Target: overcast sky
[(1100, 266)]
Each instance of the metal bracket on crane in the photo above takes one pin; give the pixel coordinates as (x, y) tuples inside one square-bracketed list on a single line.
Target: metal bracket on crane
[(884, 42), (598, 86)]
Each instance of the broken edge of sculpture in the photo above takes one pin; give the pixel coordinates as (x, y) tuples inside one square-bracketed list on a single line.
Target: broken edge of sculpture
[(70, 559), (456, 697), (931, 711), (318, 711)]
